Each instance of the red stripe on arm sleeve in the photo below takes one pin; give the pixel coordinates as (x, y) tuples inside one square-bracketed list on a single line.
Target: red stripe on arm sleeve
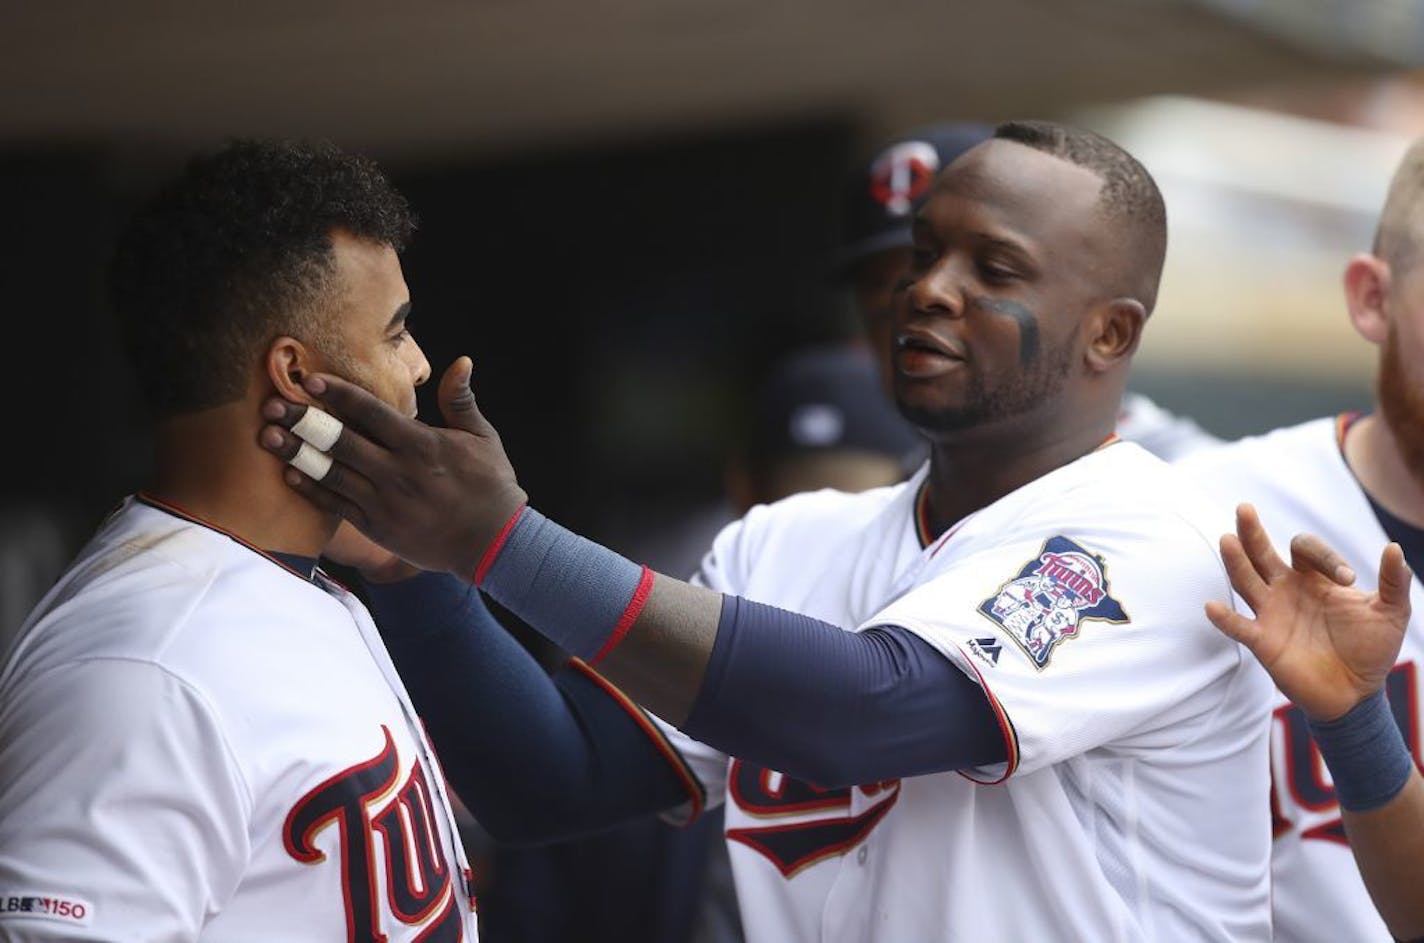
[(492, 551), (630, 615)]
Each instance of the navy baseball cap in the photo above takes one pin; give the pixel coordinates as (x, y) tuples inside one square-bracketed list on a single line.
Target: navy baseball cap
[(881, 196), (828, 399)]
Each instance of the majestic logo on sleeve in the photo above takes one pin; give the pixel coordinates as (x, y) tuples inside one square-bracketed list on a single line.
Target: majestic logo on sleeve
[(1051, 596), (361, 802)]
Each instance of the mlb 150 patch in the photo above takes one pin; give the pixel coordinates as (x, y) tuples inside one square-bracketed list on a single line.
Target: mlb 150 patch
[(46, 906), (1051, 596)]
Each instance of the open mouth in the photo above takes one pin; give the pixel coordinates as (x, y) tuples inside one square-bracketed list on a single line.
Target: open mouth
[(920, 354)]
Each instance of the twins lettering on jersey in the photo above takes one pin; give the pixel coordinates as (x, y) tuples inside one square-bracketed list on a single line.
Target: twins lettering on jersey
[(1305, 779), (1051, 596), (361, 802), (823, 827)]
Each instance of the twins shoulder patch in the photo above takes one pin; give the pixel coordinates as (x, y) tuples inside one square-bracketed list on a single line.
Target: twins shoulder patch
[(1051, 596)]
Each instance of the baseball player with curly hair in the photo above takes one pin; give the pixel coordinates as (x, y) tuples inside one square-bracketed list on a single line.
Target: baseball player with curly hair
[(202, 735)]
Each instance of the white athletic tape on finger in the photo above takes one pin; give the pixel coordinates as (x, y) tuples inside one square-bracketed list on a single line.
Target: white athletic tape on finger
[(321, 429), (310, 462)]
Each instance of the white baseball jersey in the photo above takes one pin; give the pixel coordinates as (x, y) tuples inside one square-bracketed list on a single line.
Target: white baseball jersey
[(198, 743), (1164, 434), (1129, 808), (1299, 482)]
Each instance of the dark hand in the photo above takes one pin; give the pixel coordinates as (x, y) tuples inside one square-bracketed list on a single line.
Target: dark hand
[(436, 497)]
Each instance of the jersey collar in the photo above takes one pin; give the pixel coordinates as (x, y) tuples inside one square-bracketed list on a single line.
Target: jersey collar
[(177, 511), (921, 505)]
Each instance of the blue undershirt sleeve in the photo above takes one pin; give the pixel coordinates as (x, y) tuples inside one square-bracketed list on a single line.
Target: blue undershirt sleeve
[(534, 757), (838, 708)]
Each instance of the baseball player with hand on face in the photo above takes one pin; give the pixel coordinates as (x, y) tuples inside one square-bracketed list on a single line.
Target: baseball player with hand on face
[(983, 704), (1358, 483), (878, 205), (201, 735)]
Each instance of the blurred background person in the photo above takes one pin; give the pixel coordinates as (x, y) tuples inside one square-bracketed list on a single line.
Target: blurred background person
[(1358, 482), (1331, 651), (818, 424)]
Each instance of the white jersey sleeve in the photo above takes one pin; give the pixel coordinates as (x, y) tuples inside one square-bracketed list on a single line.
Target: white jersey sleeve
[(1082, 638), (122, 812)]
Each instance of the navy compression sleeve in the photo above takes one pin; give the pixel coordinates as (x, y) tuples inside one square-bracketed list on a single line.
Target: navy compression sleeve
[(789, 692), (534, 757), (839, 708)]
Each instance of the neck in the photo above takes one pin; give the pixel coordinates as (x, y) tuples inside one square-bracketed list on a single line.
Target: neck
[(1375, 460), (210, 465), (973, 469)]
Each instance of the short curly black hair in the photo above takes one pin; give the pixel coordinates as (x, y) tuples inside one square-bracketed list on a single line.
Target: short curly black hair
[(235, 252)]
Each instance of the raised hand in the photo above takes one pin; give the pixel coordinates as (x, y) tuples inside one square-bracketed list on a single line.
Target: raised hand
[(1326, 644), (436, 497)]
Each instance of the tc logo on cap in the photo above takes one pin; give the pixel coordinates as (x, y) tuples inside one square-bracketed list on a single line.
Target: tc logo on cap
[(902, 175)]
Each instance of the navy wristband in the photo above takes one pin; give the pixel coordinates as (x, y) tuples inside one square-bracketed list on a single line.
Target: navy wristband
[(574, 592), (1365, 753)]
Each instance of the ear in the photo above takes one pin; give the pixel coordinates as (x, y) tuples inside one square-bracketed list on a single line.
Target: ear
[(1367, 284), (287, 364), (1115, 329)]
